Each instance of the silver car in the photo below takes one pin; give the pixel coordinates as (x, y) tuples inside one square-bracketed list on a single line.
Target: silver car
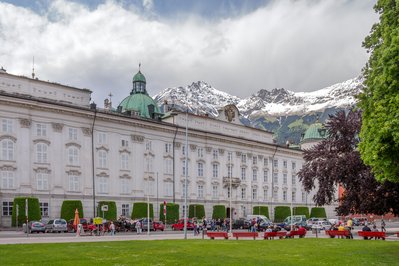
[(56, 225)]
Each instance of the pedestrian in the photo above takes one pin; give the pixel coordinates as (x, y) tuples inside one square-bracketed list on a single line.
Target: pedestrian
[(112, 228), (383, 226), (138, 227)]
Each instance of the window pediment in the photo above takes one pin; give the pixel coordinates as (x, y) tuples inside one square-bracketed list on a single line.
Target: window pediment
[(8, 137), (103, 148), (72, 144), (8, 168), (41, 141)]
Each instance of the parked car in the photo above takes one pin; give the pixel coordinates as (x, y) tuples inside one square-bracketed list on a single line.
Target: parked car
[(144, 224), (297, 220), (35, 227), (83, 221), (264, 225), (180, 225), (57, 225), (312, 220), (321, 225), (241, 223), (159, 226)]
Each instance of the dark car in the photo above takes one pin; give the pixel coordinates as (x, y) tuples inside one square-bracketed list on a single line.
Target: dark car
[(241, 224), (36, 227), (264, 225)]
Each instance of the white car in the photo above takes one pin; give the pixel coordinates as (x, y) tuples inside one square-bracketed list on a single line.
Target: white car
[(321, 225)]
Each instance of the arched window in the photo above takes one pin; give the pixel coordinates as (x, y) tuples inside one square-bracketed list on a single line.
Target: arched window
[(7, 150)]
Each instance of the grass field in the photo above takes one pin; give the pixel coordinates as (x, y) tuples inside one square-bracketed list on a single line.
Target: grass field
[(206, 252)]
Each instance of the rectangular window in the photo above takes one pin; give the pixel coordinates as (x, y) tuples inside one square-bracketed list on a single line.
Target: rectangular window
[(215, 170), (102, 138), (72, 133), (41, 153), (293, 196), (215, 154), (168, 189), (293, 177), (102, 159), (168, 147), (7, 180), (200, 169), (265, 176), (243, 193), (73, 156), (7, 150), (243, 173), (124, 161), (6, 125), (254, 194), (102, 184), (44, 209), (284, 195), (124, 143), (229, 156), (7, 208), (285, 179), (41, 130), (275, 194), (254, 174), (200, 191), (184, 166), (73, 183), (230, 171), (275, 163), (275, 178), (265, 161), (215, 192), (125, 186), (293, 165), (126, 210), (168, 166), (303, 197), (200, 152), (42, 181), (285, 164), (265, 194), (243, 158), (254, 160)]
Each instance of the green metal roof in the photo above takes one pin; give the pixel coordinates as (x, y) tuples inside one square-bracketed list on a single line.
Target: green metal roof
[(139, 77), (138, 102), (315, 132)]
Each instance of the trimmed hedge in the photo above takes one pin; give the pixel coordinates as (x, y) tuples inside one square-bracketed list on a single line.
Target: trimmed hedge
[(172, 213), (281, 212), (111, 213), (33, 210), (261, 210), (219, 212), (140, 210), (318, 212), (196, 210), (68, 209), (301, 211)]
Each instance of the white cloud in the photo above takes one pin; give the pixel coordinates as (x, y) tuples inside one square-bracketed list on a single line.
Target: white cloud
[(299, 45), (148, 4)]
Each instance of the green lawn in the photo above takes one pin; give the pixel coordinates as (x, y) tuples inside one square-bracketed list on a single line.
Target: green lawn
[(206, 252)]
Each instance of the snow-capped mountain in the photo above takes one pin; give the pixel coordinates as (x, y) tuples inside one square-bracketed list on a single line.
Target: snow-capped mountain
[(203, 98)]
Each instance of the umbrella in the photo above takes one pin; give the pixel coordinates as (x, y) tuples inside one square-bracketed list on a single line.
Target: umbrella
[(76, 220)]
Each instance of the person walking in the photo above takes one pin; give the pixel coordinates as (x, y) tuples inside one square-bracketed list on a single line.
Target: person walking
[(112, 228), (383, 226), (138, 227)]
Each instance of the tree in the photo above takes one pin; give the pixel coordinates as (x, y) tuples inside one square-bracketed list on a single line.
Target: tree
[(336, 161), (379, 136)]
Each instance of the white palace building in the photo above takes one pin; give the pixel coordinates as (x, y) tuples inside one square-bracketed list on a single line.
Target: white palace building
[(56, 146)]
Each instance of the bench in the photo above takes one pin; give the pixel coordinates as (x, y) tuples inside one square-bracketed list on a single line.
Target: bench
[(212, 235), (245, 234), (397, 234), (292, 233), (270, 235), (367, 234), (334, 233)]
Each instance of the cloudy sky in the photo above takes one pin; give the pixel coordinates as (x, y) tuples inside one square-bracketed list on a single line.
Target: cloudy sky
[(237, 46)]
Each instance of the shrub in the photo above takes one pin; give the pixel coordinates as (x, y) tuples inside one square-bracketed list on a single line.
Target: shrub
[(261, 210), (140, 210), (196, 210), (111, 213), (219, 212), (301, 211), (68, 209), (172, 213), (281, 212), (33, 210), (318, 212)]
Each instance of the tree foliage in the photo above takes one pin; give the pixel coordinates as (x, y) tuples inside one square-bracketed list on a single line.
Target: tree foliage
[(379, 145), (336, 161)]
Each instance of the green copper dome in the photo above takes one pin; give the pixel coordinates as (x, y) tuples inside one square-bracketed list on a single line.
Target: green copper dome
[(316, 131), (139, 77)]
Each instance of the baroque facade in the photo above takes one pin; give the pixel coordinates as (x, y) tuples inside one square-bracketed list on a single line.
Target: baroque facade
[(57, 146)]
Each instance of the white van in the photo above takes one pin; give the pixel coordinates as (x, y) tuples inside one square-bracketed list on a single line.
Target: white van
[(258, 216)]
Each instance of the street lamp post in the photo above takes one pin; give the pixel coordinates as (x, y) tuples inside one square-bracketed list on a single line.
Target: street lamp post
[(231, 195), (185, 179), (148, 206)]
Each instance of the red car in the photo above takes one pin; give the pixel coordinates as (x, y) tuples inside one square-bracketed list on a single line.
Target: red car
[(180, 225), (83, 221), (158, 226)]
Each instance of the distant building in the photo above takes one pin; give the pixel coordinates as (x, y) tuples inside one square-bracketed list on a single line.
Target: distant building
[(57, 146)]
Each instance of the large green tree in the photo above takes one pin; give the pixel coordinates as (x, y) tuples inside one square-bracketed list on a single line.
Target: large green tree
[(379, 135)]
